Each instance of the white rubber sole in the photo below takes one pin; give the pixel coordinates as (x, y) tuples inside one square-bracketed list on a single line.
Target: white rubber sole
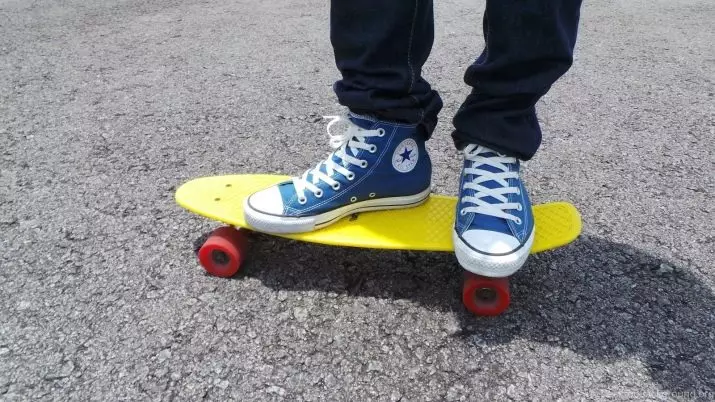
[(285, 224), (495, 266)]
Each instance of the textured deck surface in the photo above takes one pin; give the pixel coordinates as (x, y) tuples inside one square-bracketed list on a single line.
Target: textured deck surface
[(426, 227)]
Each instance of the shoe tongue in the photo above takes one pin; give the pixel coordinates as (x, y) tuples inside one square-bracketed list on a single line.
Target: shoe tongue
[(488, 168), (361, 121), (489, 183), (486, 221)]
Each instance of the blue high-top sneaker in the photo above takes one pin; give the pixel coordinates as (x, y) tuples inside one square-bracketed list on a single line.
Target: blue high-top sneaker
[(494, 227), (375, 165)]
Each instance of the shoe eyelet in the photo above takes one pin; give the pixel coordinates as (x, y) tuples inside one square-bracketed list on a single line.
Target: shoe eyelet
[(351, 176), (518, 221), (518, 191), (519, 207), (363, 164), (463, 212), (372, 195), (336, 187), (302, 200), (319, 194), (373, 148), (353, 199), (381, 132)]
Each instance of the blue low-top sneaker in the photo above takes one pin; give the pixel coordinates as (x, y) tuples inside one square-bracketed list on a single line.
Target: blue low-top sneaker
[(494, 226), (375, 165)]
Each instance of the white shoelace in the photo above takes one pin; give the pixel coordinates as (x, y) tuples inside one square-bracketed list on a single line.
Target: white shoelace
[(352, 138), (474, 154)]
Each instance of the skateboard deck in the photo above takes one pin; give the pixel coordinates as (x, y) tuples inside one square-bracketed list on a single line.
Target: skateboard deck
[(427, 227)]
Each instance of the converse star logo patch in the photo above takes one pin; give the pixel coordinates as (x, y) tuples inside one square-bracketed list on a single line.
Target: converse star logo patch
[(404, 159)]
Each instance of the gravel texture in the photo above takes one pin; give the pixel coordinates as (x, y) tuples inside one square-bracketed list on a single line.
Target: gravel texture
[(107, 106)]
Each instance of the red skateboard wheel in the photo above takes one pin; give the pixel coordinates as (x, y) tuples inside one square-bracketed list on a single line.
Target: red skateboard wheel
[(485, 296), (223, 252)]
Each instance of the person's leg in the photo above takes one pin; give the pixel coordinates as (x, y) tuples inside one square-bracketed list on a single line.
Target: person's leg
[(529, 45), (380, 47), (380, 161)]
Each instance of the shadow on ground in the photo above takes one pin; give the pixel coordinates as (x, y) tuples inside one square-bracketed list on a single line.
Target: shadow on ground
[(603, 300)]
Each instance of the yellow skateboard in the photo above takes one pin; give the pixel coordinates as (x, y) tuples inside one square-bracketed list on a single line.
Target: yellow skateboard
[(427, 227)]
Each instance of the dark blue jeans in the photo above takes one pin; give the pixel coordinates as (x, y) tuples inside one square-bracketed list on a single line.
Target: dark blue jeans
[(381, 45)]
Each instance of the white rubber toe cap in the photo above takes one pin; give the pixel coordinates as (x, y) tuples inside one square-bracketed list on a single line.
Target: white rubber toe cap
[(499, 254), (489, 242), (268, 201)]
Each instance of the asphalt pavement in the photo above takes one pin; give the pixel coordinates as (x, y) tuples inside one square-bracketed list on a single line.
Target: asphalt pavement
[(107, 106)]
